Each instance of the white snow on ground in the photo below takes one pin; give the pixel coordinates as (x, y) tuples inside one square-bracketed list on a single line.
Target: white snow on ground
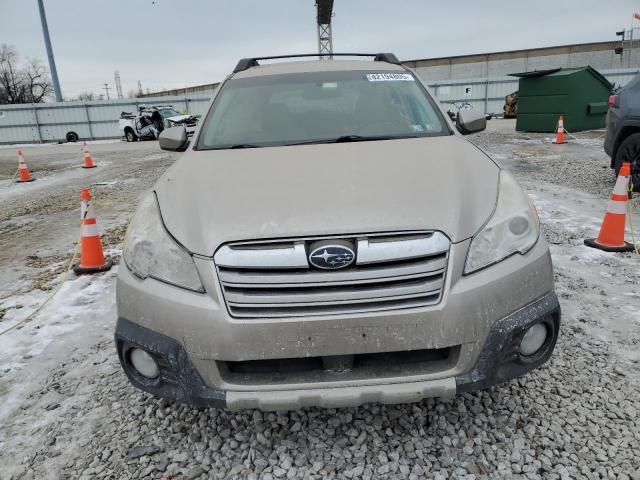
[(60, 179), (576, 211), (531, 141), (606, 283), (79, 144), (79, 314)]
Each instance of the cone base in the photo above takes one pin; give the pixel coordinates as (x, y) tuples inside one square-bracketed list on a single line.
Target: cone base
[(591, 242), (80, 270), (558, 143), (26, 181), (92, 166)]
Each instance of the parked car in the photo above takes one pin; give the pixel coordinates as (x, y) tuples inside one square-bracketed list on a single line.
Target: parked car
[(148, 122), (322, 242), (622, 141)]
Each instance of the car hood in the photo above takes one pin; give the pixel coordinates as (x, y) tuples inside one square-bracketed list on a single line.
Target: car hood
[(179, 118), (211, 197)]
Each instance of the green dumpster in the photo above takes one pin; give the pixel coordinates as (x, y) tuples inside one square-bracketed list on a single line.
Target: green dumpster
[(580, 94)]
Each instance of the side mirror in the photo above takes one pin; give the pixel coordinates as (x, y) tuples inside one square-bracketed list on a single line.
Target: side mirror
[(174, 139), (469, 121)]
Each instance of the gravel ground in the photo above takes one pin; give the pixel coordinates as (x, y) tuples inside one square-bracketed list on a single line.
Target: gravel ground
[(39, 221), (580, 164), (574, 418)]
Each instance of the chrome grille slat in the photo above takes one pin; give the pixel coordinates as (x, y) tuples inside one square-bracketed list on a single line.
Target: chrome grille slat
[(391, 250), (319, 295), (332, 302), (412, 276), (336, 283), (420, 266), (242, 312)]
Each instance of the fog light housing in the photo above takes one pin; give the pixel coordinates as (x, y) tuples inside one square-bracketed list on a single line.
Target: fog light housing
[(144, 363), (533, 339)]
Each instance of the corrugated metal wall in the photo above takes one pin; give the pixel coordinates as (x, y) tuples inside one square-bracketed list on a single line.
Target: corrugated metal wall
[(99, 120), (206, 89), (50, 122), (600, 56), (487, 96)]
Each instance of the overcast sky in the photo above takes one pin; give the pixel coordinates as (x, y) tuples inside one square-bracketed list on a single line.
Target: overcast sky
[(177, 43)]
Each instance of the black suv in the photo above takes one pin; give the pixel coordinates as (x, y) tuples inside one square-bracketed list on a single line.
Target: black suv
[(622, 142)]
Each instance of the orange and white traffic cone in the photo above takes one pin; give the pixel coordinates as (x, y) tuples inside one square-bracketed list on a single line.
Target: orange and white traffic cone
[(25, 176), (91, 256), (611, 236), (88, 161), (560, 131)]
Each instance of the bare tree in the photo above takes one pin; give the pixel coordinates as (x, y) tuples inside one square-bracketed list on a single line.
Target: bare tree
[(27, 83), (86, 96), (38, 82), (8, 77)]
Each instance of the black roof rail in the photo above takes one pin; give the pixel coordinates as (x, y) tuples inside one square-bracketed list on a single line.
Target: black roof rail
[(246, 63)]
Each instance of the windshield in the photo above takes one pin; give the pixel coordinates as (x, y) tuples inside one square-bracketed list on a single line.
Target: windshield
[(168, 112), (320, 107)]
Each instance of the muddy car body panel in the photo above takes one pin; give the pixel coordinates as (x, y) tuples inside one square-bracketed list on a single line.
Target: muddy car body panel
[(403, 309), (424, 180)]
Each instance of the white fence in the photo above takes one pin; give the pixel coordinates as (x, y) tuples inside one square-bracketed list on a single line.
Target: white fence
[(50, 122)]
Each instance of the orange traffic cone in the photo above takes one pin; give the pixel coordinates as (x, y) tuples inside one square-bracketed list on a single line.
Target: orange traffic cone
[(611, 237), (91, 256), (560, 131), (25, 176), (88, 161)]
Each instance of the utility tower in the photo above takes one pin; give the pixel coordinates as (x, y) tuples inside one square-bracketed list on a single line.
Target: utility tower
[(106, 89), (47, 44), (139, 88), (324, 10), (116, 74)]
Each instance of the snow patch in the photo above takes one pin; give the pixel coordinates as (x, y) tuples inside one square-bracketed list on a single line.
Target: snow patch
[(79, 144), (81, 311)]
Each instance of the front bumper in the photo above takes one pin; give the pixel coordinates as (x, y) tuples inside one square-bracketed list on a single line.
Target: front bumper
[(497, 362)]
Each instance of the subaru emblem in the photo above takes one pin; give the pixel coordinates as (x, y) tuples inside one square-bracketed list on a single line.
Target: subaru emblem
[(331, 256)]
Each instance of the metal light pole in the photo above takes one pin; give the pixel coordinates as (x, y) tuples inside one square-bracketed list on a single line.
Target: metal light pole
[(52, 62), (324, 10)]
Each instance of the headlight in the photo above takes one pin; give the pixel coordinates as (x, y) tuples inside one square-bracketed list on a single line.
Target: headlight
[(513, 228), (149, 251)]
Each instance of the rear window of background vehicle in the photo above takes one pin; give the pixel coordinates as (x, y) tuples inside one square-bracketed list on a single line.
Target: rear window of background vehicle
[(291, 108), (166, 113)]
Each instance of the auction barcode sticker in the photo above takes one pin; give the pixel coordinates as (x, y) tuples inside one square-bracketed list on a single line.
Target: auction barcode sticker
[(390, 77)]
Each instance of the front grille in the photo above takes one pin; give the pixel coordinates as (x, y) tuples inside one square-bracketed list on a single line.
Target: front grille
[(274, 279), (318, 369)]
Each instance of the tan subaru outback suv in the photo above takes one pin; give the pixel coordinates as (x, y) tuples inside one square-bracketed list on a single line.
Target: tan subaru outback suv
[(329, 238)]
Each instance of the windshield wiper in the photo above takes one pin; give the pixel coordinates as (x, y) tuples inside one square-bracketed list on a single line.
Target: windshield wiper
[(354, 138), (243, 145), (237, 146)]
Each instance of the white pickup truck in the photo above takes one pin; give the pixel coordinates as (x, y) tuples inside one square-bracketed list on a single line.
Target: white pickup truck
[(148, 122)]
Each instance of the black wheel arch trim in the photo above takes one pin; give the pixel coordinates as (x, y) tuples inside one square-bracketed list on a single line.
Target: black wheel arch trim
[(626, 129)]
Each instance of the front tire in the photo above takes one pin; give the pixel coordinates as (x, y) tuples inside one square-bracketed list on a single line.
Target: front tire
[(72, 137), (130, 136), (629, 151)]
